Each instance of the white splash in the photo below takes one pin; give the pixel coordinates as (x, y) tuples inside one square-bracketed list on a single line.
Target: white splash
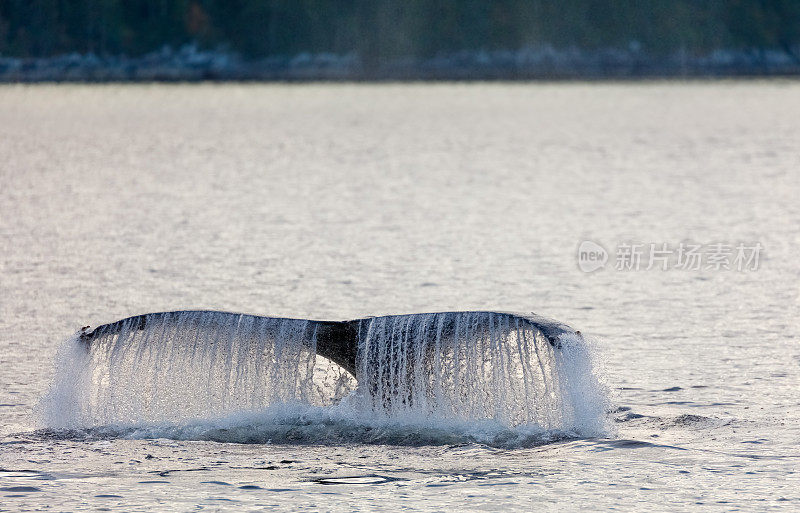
[(185, 373)]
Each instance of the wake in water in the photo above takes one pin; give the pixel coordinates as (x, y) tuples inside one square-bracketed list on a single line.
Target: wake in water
[(455, 377)]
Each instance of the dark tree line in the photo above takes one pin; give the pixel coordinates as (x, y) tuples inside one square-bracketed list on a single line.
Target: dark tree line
[(387, 29)]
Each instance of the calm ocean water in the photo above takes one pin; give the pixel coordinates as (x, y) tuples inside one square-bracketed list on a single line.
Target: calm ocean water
[(343, 201)]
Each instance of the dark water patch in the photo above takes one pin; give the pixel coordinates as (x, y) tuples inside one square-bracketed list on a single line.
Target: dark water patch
[(268, 467), (154, 482), (691, 404), (629, 444), (108, 496), (165, 473), (686, 420), (607, 445), (282, 490), (498, 484), (672, 389), (689, 420), (368, 479), (776, 457), (39, 475), (628, 416), (250, 487), (20, 489), (491, 474)]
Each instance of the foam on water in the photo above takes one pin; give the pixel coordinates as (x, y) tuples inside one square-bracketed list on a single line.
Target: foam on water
[(424, 378)]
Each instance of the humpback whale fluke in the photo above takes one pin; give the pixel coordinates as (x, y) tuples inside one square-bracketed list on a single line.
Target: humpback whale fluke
[(513, 368), (338, 341)]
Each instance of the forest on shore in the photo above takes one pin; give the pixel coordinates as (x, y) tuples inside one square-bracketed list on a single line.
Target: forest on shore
[(350, 38)]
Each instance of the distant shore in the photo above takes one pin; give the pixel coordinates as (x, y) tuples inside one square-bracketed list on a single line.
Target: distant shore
[(189, 64)]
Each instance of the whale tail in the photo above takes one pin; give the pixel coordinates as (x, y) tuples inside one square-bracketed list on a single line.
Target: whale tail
[(172, 366), (342, 342)]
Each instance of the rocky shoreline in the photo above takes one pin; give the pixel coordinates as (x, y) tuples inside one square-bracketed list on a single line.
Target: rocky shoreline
[(189, 63)]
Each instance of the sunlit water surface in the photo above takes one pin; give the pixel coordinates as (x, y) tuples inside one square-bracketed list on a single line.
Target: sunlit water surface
[(342, 201)]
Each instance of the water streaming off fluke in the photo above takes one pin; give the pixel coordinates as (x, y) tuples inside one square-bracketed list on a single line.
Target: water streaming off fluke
[(178, 367)]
